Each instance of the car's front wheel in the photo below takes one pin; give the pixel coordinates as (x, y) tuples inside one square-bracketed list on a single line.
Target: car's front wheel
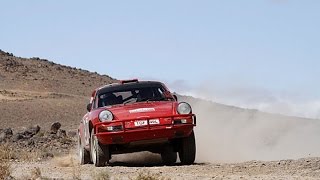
[(187, 152), (168, 155), (99, 152)]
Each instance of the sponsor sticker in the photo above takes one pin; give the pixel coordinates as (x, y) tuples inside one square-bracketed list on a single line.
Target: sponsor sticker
[(141, 110), (154, 121), (141, 123)]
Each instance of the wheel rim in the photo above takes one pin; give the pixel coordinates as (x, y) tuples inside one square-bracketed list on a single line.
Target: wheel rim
[(80, 150), (93, 151)]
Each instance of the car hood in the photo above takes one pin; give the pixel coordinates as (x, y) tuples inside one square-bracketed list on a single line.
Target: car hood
[(142, 110)]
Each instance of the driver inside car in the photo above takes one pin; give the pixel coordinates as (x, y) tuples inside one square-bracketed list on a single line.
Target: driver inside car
[(108, 100), (145, 94)]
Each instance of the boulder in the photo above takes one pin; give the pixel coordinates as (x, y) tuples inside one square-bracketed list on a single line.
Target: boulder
[(17, 137), (7, 131), (55, 127), (5, 134), (31, 131)]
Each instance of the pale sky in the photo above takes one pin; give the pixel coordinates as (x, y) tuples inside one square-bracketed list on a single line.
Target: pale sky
[(262, 54)]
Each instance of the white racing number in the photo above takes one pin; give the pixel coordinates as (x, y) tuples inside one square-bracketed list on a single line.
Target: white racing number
[(154, 121), (141, 123)]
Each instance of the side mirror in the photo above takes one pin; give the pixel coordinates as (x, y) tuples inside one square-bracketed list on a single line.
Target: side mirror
[(175, 97), (169, 95), (89, 107)]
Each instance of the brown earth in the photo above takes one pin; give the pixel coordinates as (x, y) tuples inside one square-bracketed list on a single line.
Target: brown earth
[(35, 91), (306, 168)]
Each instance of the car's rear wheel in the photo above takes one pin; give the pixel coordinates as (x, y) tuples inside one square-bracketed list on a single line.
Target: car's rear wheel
[(83, 154), (168, 155), (99, 152), (187, 152)]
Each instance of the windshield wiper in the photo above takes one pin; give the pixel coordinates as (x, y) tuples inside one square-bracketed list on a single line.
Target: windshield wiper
[(153, 99), (127, 102)]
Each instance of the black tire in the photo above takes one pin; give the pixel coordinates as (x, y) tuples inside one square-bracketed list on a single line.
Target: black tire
[(83, 154), (168, 156), (99, 152), (187, 152)]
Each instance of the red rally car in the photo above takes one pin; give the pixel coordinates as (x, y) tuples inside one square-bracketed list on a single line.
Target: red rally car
[(132, 116)]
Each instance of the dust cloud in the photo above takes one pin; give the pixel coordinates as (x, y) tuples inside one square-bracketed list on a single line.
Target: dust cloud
[(231, 134), (228, 134)]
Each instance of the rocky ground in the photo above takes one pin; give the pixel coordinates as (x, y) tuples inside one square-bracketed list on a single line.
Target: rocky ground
[(35, 144), (285, 169)]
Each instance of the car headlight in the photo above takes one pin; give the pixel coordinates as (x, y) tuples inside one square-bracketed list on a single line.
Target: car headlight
[(184, 108), (105, 116)]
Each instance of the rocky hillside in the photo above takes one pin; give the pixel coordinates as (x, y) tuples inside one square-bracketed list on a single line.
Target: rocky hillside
[(38, 91), (41, 75)]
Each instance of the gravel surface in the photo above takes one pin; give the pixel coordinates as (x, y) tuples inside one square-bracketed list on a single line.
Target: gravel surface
[(307, 168)]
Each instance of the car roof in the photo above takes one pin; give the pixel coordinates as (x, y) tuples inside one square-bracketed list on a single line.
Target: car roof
[(126, 86)]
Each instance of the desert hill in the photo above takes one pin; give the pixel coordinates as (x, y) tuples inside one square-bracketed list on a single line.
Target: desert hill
[(38, 91), (41, 75)]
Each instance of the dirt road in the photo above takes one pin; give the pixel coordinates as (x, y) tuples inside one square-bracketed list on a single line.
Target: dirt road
[(67, 168)]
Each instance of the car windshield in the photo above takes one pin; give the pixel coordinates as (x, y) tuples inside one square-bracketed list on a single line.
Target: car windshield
[(131, 96)]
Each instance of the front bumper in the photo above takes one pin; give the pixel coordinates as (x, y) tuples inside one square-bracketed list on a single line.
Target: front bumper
[(169, 127)]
